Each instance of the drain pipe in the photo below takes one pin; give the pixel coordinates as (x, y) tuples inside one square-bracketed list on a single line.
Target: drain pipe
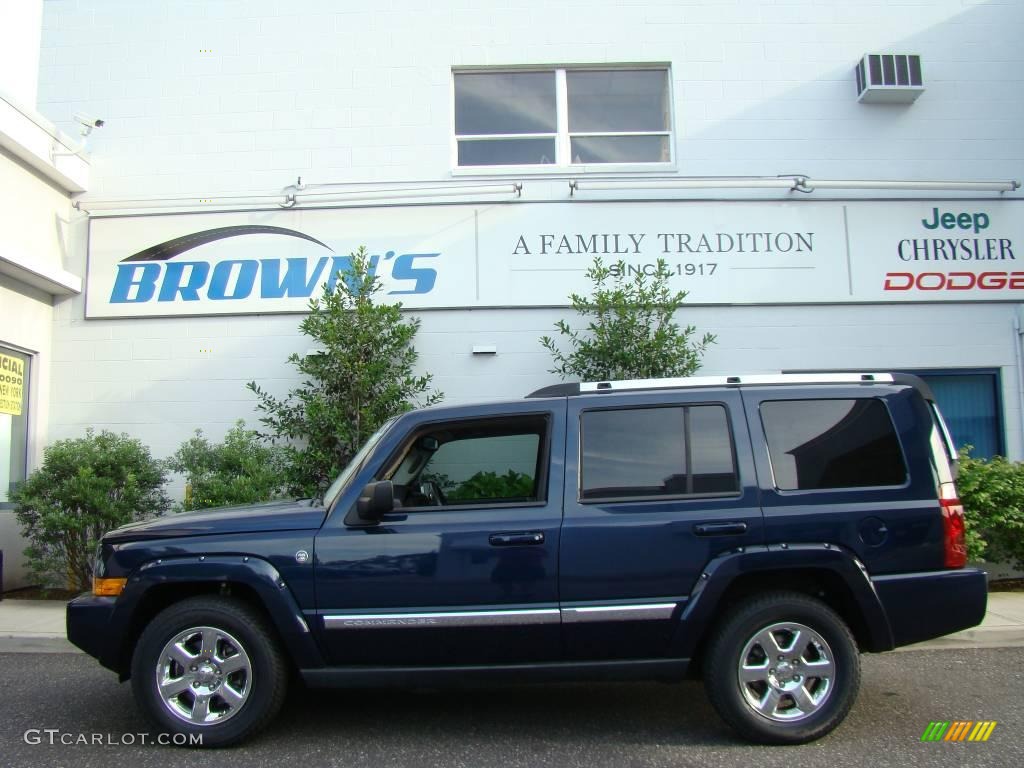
[(1018, 327)]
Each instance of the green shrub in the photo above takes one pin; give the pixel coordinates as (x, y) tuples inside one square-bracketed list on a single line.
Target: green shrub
[(363, 376), (240, 470), (993, 495), (631, 329), (84, 488)]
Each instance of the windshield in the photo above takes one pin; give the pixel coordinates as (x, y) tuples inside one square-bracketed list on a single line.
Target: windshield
[(356, 464)]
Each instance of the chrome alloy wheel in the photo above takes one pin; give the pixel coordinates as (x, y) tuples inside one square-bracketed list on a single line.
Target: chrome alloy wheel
[(786, 672), (203, 676)]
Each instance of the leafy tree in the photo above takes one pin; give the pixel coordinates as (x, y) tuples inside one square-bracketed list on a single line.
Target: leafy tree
[(491, 485), (631, 331), (363, 376), (84, 488), (240, 470), (993, 495)]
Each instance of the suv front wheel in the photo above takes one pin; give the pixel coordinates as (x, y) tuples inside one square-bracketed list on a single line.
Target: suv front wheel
[(782, 669), (208, 668)]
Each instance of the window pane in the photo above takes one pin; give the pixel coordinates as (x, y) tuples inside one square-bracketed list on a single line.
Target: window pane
[(637, 452), (507, 152), (832, 444), (504, 102), (472, 462), (970, 409), (620, 149), (13, 420), (616, 101), (643, 452), (499, 468), (712, 463)]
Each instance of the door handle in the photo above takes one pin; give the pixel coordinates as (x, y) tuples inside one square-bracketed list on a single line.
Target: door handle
[(523, 539), (734, 528)]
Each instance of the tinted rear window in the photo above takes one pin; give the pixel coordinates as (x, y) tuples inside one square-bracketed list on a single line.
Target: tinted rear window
[(670, 451), (816, 444)]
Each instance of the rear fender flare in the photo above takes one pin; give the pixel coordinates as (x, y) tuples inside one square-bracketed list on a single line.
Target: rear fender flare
[(705, 601)]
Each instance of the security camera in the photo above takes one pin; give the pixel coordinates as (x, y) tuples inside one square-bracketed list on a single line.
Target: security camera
[(87, 123)]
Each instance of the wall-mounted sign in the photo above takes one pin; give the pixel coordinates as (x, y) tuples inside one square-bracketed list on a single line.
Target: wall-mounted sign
[(536, 254), (12, 384)]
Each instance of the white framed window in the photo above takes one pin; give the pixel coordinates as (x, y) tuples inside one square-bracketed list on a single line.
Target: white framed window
[(570, 118)]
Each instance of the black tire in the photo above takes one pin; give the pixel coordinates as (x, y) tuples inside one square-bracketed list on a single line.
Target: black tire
[(786, 722), (263, 680)]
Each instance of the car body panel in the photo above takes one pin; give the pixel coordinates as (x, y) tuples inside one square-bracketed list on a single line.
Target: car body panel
[(644, 551), (889, 529), (379, 587), (255, 518), (925, 606)]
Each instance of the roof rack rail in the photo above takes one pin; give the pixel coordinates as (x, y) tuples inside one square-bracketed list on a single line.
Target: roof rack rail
[(689, 382)]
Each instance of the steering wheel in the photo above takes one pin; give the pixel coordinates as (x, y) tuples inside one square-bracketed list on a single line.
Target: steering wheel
[(432, 492)]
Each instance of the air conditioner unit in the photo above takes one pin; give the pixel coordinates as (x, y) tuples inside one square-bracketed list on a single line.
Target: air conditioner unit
[(889, 78)]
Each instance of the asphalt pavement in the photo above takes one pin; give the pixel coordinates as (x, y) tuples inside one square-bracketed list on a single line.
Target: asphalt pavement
[(563, 726)]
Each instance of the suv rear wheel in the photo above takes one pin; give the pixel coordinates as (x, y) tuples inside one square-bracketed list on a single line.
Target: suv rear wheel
[(208, 667), (782, 669)]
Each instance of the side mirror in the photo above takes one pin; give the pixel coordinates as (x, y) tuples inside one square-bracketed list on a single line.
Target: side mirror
[(376, 500)]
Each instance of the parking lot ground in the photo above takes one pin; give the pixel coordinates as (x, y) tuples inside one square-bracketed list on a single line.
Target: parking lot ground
[(563, 726)]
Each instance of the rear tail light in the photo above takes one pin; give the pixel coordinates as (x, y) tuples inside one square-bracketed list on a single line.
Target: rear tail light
[(954, 534)]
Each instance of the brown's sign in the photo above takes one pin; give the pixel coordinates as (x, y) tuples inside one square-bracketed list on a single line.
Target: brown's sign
[(536, 254)]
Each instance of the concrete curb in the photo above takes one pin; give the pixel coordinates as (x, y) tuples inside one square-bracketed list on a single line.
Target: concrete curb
[(33, 626), (36, 643), (988, 637)]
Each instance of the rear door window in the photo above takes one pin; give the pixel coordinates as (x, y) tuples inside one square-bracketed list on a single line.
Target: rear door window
[(657, 452), (822, 444)]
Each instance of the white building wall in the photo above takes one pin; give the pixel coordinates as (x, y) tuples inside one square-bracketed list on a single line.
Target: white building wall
[(238, 96), (20, 29), (248, 95)]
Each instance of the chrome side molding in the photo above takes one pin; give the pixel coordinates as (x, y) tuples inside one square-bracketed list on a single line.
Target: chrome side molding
[(592, 613), (442, 619), (497, 618)]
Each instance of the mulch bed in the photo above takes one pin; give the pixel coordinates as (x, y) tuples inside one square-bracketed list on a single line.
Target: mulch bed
[(1006, 585), (39, 593)]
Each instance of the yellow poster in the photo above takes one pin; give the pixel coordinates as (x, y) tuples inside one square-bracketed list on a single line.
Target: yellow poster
[(12, 384)]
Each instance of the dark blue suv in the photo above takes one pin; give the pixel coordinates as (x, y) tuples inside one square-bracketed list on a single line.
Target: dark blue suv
[(760, 531)]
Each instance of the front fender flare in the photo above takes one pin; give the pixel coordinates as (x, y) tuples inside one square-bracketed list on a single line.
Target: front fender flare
[(253, 572)]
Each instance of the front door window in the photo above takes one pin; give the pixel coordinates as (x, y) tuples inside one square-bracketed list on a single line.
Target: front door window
[(473, 463)]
